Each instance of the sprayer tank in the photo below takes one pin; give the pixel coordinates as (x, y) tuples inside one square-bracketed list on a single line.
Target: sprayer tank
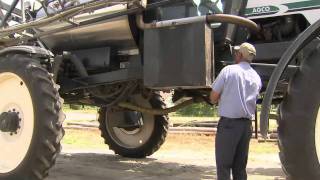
[(116, 32)]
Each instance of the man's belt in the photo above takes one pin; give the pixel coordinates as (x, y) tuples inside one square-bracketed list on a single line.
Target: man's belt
[(235, 119)]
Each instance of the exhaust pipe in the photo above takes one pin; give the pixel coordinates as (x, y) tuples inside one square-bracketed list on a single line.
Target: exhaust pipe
[(212, 18)]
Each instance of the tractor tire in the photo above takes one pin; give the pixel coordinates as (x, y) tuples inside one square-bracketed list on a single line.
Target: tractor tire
[(28, 92), (137, 142), (299, 122)]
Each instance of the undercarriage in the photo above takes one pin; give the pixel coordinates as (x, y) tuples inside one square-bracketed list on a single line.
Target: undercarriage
[(119, 55)]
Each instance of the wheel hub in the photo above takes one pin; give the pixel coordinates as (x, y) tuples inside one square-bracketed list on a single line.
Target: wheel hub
[(15, 134), (9, 122), (140, 129), (133, 120)]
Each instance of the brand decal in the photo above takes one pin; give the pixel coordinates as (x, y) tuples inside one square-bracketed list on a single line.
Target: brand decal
[(263, 9), (296, 6)]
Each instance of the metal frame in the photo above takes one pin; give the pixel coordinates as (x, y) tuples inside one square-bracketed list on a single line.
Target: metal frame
[(70, 12), (303, 40), (121, 75), (6, 7), (133, 8), (9, 12)]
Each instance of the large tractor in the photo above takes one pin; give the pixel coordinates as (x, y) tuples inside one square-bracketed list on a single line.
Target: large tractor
[(119, 55)]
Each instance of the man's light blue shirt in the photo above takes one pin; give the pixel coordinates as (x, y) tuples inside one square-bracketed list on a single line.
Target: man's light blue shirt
[(239, 86)]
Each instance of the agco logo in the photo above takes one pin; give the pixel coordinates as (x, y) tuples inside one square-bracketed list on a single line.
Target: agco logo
[(263, 9)]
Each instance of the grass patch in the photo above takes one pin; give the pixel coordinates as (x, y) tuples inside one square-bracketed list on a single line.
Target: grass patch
[(83, 139), (198, 110)]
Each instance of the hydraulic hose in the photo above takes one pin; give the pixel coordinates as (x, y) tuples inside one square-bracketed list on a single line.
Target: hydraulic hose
[(56, 66), (79, 65)]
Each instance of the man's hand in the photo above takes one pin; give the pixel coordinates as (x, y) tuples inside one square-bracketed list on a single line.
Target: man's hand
[(214, 97)]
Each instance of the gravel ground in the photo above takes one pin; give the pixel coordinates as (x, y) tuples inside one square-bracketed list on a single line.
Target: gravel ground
[(84, 157), (92, 164)]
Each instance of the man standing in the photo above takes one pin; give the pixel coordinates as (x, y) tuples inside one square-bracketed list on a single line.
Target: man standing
[(236, 89)]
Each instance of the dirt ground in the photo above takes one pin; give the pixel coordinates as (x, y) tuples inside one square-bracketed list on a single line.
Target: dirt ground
[(182, 157)]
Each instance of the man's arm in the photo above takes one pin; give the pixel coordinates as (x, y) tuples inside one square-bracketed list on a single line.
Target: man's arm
[(214, 97), (217, 87)]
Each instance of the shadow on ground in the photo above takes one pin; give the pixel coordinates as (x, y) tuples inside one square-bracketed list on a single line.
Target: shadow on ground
[(90, 166)]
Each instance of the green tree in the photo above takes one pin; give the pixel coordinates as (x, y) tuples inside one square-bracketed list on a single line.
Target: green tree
[(198, 110)]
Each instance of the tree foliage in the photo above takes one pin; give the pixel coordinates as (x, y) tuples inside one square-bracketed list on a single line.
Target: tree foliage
[(198, 110)]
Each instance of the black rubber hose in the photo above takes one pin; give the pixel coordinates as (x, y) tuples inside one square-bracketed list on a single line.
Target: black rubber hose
[(56, 66), (78, 64), (131, 86)]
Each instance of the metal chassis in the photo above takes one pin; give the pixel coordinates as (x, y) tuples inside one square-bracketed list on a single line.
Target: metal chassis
[(303, 40), (121, 75)]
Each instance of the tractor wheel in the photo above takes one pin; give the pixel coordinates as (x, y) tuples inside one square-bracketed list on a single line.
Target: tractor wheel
[(30, 120), (299, 122), (135, 142)]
